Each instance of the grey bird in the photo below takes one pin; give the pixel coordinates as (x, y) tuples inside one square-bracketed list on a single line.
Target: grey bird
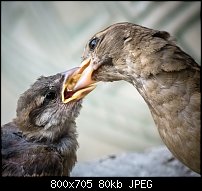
[(166, 77), (42, 139)]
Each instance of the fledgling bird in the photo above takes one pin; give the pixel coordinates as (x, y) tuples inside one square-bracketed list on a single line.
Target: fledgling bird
[(166, 77), (42, 139)]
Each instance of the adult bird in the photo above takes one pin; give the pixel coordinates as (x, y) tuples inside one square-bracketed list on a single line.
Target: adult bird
[(42, 139), (166, 77)]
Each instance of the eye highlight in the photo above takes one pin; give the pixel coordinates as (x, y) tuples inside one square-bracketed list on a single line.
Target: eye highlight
[(93, 43)]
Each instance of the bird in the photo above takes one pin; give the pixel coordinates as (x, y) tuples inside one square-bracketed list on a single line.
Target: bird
[(42, 139), (166, 77)]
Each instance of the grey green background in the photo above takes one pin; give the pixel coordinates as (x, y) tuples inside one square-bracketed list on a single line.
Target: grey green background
[(44, 38)]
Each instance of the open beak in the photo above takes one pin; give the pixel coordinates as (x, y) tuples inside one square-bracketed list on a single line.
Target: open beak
[(85, 71), (72, 77)]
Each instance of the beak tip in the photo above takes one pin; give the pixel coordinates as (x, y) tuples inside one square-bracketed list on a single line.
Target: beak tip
[(70, 72)]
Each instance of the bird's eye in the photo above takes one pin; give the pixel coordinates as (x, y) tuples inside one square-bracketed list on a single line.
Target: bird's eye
[(93, 43), (50, 95)]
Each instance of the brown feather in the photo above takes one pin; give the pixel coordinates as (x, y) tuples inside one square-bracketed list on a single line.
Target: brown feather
[(167, 78)]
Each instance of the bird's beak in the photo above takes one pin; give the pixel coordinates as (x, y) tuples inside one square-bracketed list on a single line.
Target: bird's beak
[(85, 75), (69, 92)]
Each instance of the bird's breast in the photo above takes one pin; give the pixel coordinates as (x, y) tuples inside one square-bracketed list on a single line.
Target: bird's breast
[(175, 107)]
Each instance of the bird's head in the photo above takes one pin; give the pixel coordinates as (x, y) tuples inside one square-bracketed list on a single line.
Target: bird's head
[(48, 109), (119, 52)]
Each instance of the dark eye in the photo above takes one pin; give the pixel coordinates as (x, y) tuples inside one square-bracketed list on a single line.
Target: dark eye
[(50, 95), (93, 43)]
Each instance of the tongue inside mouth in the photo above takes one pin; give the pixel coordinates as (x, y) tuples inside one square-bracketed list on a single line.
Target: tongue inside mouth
[(68, 94)]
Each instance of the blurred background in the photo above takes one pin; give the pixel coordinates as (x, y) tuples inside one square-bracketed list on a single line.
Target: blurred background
[(44, 38)]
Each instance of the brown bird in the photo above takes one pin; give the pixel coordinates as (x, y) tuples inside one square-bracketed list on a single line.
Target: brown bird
[(167, 78), (42, 139)]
